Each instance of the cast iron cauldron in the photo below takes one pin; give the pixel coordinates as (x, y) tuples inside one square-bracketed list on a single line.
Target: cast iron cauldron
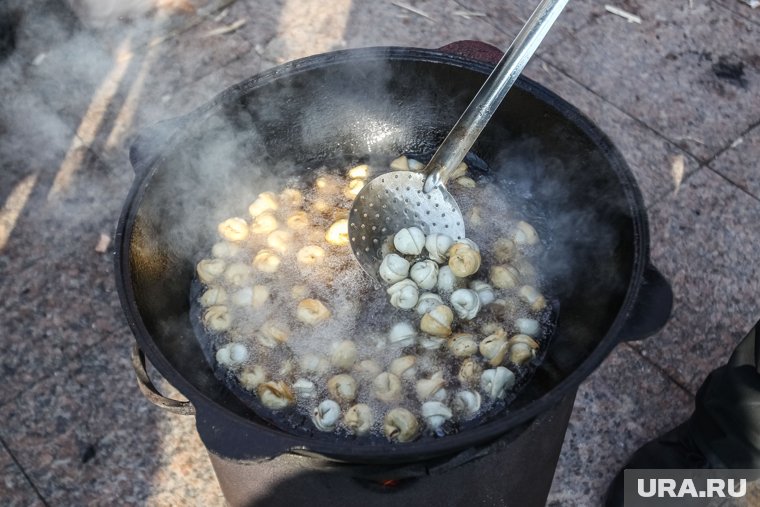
[(350, 106)]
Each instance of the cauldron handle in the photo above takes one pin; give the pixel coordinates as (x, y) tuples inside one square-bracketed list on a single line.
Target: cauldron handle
[(475, 50), (149, 390), (652, 308)]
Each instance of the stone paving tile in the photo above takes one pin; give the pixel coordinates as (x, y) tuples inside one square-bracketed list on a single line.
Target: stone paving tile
[(623, 404), (58, 293), (742, 9), (312, 27), (704, 240), (15, 489), (739, 164), (98, 90), (385, 24), (651, 157), (693, 76), (509, 18), (86, 434)]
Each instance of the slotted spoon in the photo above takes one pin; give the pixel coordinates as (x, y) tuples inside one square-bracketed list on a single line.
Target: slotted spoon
[(401, 199)]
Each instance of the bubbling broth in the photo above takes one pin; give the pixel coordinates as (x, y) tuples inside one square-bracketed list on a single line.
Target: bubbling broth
[(294, 327)]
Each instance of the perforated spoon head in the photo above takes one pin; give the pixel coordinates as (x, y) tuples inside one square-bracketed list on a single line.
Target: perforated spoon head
[(393, 201)]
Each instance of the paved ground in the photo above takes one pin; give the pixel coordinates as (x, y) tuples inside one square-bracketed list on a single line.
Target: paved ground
[(677, 93)]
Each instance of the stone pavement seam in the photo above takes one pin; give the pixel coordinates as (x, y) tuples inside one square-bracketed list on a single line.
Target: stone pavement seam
[(23, 472), (740, 9), (659, 368)]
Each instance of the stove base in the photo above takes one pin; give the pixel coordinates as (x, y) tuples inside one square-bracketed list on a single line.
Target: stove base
[(515, 470)]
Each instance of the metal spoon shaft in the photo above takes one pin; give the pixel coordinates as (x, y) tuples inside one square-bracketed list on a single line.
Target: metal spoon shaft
[(472, 122)]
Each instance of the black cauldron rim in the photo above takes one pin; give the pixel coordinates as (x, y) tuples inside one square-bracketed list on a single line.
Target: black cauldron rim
[(644, 310)]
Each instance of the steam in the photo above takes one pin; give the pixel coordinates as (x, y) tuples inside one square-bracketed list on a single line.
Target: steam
[(68, 117)]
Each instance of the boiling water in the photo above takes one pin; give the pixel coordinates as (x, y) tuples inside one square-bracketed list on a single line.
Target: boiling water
[(360, 309)]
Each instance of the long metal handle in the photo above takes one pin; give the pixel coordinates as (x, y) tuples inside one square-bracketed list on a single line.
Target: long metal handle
[(472, 122)]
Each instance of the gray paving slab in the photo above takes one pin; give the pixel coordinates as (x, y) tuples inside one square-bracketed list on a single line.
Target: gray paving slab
[(58, 292), (623, 404), (99, 91), (739, 163), (658, 164), (693, 75), (704, 240), (509, 17), (86, 435), (741, 8), (313, 27), (15, 489)]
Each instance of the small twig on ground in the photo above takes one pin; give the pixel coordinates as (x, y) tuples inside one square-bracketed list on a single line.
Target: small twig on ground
[(470, 14), (677, 170), (631, 18), (692, 139), (413, 9), (226, 29), (103, 242), (221, 15)]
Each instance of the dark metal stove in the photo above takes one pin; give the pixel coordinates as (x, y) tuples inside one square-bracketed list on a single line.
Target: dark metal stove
[(517, 469)]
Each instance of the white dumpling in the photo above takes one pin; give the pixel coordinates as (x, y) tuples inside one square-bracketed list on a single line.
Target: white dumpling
[(404, 367), (312, 312), (266, 261), (437, 321), (342, 387), (431, 388), (424, 274), (466, 303), (485, 292), (310, 255), (438, 246), (264, 202), (466, 403), (209, 269), (264, 223), (326, 416), (213, 296), (232, 355), (337, 234), (447, 280), (402, 334), (387, 387), (530, 327), (275, 395), (427, 301), (225, 249), (217, 318), (435, 414), (280, 240), (394, 268), (410, 241), (524, 234), (358, 419), (233, 229), (343, 354), (304, 389), (496, 381), (403, 294)]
